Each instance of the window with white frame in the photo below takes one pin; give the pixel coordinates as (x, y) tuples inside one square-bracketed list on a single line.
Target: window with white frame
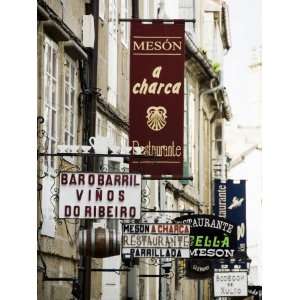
[(124, 143), (125, 25), (218, 139), (101, 125), (155, 4), (186, 129), (101, 9), (191, 117), (112, 45), (212, 41), (146, 9), (187, 11), (189, 133), (101, 130), (70, 74), (114, 136), (50, 96)]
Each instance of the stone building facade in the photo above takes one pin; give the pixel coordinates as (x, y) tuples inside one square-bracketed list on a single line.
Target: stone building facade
[(66, 37)]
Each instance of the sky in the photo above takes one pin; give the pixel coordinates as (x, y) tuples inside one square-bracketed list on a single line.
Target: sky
[(245, 27), (243, 86)]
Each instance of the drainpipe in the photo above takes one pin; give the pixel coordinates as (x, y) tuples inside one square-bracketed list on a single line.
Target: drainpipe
[(213, 89), (90, 120)]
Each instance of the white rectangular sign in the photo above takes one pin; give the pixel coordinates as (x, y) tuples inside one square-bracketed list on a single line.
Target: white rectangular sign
[(230, 284), (100, 195), (156, 240)]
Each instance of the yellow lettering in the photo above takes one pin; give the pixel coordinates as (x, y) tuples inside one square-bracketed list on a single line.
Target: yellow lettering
[(156, 72), (144, 87), (157, 45), (137, 47), (152, 88), (176, 88), (176, 45), (168, 88), (149, 46), (135, 88)]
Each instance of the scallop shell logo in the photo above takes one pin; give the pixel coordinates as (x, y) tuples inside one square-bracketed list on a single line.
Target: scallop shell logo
[(156, 117)]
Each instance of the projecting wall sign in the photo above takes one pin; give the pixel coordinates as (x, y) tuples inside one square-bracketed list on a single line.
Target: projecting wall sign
[(230, 284), (156, 240), (100, 195), (211, 237), (199, 268), (230, 203), (156, 96)]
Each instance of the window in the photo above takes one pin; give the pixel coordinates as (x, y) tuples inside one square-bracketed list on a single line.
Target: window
[(125, 25), (146, 10), (50, 97), (50, 94), (155, 5), (101, 130), (187, 11), (114, 135), (218, 139), (186, 133), (113, 166), (212, 41), (102, 9), (191, 126), (189, 133), (101, 125), (124, 143), (70, 75), (112, 54)]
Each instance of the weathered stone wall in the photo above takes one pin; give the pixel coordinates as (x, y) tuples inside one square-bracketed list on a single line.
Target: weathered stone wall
[(59, 253)]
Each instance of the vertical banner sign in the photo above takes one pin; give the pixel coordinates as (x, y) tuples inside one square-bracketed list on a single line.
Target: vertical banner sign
[(230, 203), (210, 237), (156, 97)]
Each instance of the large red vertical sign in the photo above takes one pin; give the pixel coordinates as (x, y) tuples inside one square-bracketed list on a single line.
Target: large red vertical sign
[(156, 97)]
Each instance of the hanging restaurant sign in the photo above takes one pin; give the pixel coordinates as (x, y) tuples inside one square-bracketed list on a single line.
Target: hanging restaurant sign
[(210, 237), (156, 240), (100, 195), (230, 284), (230, 203), (199, 268), (156, 97)]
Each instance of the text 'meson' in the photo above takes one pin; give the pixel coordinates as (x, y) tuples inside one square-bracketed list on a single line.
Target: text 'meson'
[(100, 195)]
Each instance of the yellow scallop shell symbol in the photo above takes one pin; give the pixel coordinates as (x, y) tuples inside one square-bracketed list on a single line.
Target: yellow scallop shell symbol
[(156, 117)]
